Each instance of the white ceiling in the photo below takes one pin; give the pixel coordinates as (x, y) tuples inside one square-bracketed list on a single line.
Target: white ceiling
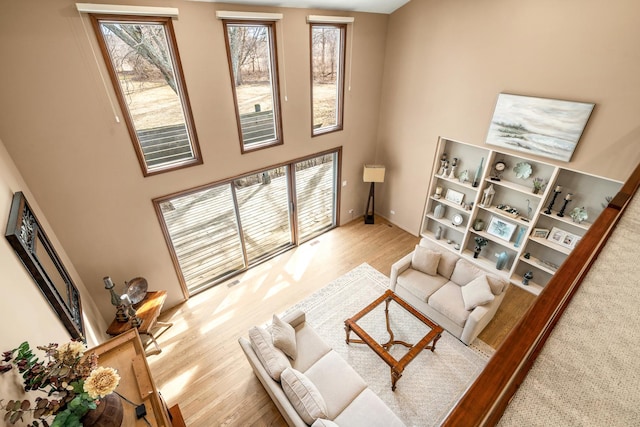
[(373, 6)]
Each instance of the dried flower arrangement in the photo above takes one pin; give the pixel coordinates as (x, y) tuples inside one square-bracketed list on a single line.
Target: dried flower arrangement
[(73, 383)]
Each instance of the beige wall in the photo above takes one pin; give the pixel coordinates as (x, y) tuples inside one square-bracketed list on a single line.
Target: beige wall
[(26, 315), (447, 61), (57, 125)]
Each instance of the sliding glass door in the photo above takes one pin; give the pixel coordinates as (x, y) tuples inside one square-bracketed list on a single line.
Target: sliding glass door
[(316, 195), (220, 230)]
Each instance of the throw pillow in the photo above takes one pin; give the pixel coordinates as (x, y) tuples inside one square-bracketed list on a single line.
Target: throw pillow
[(284, 337), (273, 359), (477, 292), (303, 395), (425, 260)]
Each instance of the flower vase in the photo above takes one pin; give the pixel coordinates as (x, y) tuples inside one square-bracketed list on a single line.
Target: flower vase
[(109, 413), (502, 260), (476, 253), (536, 190)]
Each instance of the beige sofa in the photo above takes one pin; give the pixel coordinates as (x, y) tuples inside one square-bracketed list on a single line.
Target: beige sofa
[(348, 401), (434, 280)]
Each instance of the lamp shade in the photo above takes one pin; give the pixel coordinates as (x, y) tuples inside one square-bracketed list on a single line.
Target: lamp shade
[(373, 173)]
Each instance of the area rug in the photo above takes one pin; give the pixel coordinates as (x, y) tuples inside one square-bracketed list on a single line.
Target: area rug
[(431, 384)]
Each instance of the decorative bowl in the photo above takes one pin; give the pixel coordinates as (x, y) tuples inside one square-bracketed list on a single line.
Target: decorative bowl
[(523, 170), (578, 215)]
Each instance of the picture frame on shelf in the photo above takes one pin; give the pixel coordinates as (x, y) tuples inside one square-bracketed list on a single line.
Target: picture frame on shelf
[(540, 233), (454, 196), (501, 229), (556, 235), (570, 240)]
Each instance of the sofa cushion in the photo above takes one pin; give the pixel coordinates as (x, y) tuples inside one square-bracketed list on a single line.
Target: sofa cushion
[(448, 301), (337, 382), (303, 395), (419, 284), (284, 337), (425, 260), (477, 292), (321, 422), (273, 359), (497, 284), (447, 259), (368, 410), (310, 346), (465, 272)]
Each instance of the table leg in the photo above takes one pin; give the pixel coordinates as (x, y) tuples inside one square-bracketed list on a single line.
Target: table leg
[(395, 376)]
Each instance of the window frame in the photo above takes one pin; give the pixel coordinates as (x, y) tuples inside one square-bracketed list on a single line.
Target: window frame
[(275, 82), (167, 22), (340, 81)]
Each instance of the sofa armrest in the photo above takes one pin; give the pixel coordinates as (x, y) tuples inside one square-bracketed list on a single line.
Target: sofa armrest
[(479, 319), (398, 268), (295, 318), (273, 388)]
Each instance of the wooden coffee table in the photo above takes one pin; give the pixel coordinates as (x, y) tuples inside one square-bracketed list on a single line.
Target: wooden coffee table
[(434, 332)]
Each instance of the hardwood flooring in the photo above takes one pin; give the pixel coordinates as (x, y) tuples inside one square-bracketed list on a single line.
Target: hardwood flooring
[(202, 366)]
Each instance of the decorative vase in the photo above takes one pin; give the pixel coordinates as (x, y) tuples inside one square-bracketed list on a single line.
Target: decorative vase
[(439, 233), (502, 260), (478, 225), (109, 413), (438, 212), (536, 190), (476, 252), (527, 276)]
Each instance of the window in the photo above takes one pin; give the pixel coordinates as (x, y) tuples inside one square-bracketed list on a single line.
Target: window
[(327, 77), (254, 73), (144, 65)]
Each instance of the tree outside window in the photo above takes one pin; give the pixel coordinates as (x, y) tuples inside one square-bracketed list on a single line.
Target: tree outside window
[(143, 62), (327, 77), (253, 68)]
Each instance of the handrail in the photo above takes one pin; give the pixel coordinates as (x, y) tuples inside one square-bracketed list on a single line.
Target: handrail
[(486, 400)]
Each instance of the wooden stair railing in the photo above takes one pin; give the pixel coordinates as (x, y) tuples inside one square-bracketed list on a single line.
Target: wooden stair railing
[(486, 400)]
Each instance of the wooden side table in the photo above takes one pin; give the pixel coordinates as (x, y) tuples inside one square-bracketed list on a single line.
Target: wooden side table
[(148, 311)]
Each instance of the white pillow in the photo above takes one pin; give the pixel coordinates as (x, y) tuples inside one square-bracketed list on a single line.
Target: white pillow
[(425, 260), (303, 395), (284, 337), (476, 292), (273, 359)]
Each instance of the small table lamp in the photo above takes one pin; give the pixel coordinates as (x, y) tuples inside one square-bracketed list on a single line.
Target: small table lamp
[(372, 174)]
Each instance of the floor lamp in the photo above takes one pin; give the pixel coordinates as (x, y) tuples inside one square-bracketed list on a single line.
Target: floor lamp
[(372, 174)]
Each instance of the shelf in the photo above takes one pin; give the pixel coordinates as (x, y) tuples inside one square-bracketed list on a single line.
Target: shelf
[(442, 242), (500, 213), (549, 244), (517, 187), (485, 263), (447, 223), (451, 204), (566, 219), (589, 191), (537, 263), (532, 287), (508, 245), (456, 181)]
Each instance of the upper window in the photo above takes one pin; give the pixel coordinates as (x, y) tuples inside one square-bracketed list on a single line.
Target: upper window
[(327, 77), (144, 65), (254, 71)]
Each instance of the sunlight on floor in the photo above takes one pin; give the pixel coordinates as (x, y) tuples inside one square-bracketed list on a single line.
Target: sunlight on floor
[(172, 389), (219, 320), (299, 263)]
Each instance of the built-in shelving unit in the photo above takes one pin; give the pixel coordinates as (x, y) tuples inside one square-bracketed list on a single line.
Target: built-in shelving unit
[(501, 207)]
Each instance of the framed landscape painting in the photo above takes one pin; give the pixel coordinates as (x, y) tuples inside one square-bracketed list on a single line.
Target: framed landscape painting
[(539, 126)]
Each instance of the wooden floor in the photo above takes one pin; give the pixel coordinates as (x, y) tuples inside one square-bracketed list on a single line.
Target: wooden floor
[(202, 366)]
